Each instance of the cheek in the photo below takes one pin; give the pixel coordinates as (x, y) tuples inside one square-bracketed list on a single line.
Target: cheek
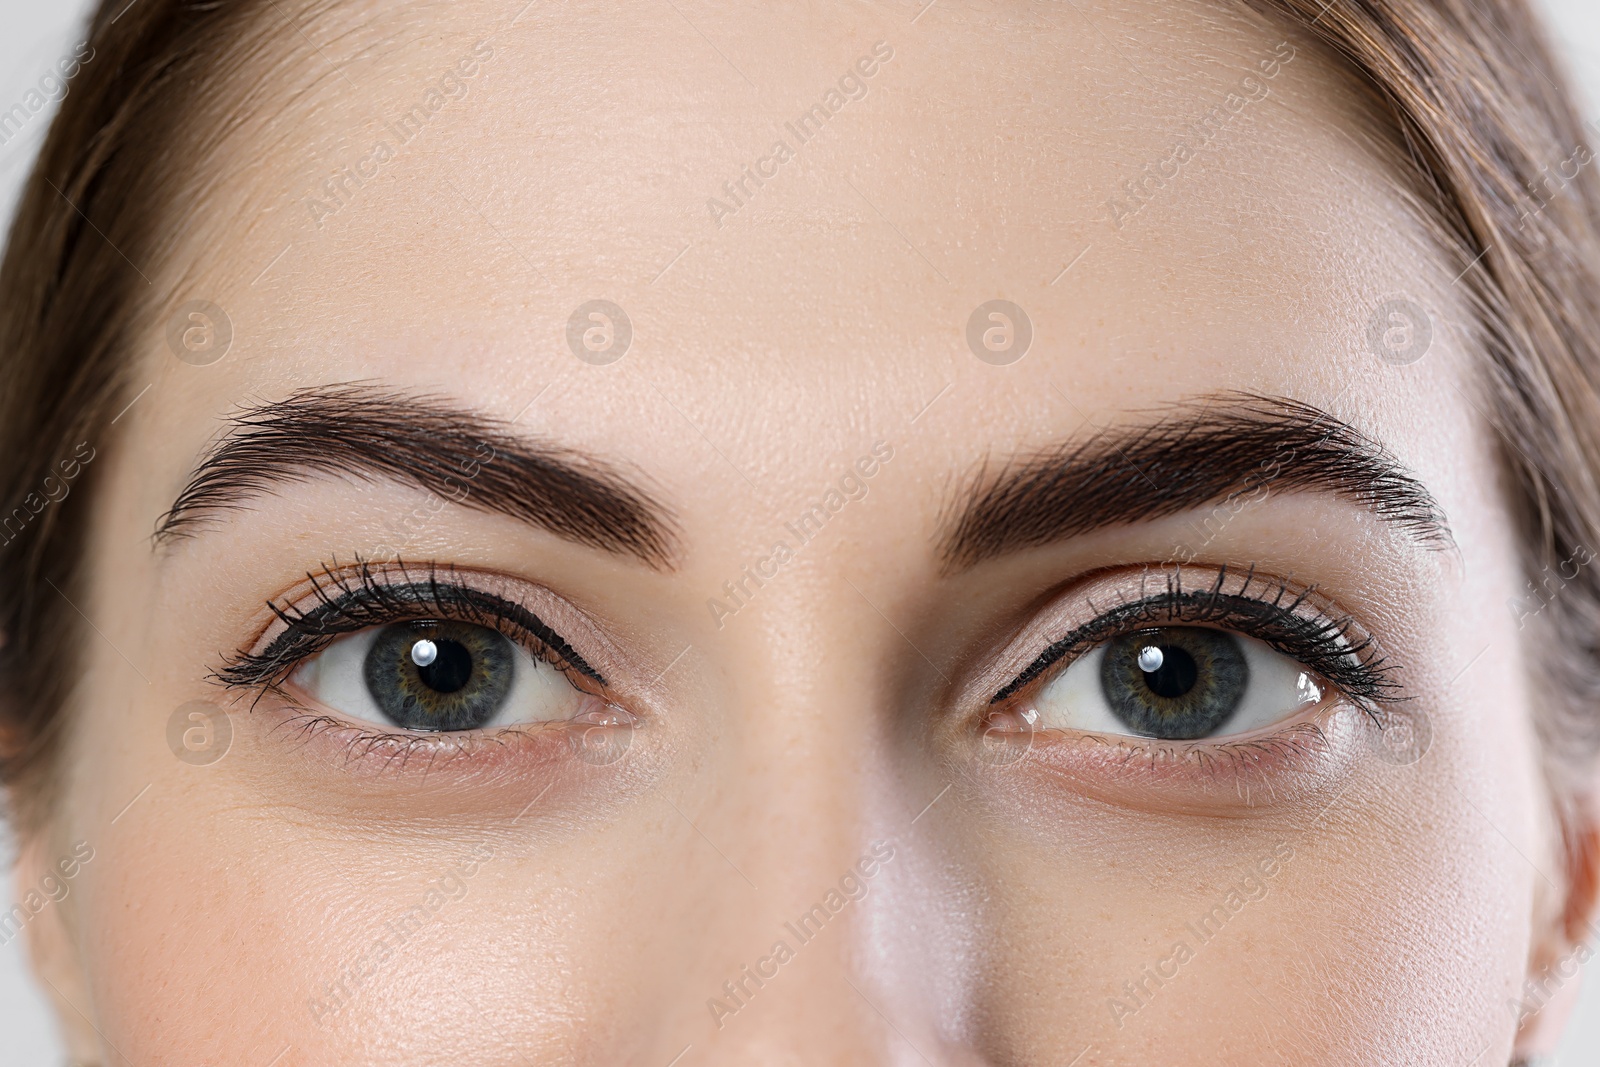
[(1393, 932), (246, 894), (237, 910), (223, 923)]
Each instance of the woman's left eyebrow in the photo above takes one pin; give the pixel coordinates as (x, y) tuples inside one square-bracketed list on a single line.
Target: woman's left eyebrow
[(361, 431), (1199, 452)]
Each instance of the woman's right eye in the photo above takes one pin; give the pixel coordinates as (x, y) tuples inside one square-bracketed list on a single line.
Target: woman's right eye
[(439, 675)]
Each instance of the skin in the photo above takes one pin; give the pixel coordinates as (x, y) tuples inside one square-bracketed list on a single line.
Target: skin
[(848, 695)]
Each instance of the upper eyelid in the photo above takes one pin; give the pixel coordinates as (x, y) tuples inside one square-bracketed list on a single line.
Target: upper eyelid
[(345, 590), (510, 610), (1101, 623), (1106, 624)]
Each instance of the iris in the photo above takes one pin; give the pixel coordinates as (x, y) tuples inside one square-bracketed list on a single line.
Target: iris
[(439, 674), (1176, 682)]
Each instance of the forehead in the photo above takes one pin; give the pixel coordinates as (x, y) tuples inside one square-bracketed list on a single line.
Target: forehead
[(803, 213)]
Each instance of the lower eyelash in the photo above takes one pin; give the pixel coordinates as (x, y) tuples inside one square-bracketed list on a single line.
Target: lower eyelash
[(505, 754), (1322, 644), (1249, 766), (1298, 740), (402, 747)]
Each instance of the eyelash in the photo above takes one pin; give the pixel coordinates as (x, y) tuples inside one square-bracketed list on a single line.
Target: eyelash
[(1323, 644), (349, 600)]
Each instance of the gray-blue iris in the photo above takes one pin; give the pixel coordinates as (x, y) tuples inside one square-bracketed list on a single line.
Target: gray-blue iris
[(1175, 682), (439, 674)]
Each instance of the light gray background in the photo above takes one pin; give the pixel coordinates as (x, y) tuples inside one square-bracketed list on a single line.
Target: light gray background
[(38, 32)]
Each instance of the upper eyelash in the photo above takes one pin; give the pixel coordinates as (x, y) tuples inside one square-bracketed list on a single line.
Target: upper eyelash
[(1321, 643), (350, 600)]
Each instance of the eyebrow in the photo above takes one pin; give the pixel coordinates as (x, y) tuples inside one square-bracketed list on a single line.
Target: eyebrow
[(358, 431), (1199, 452)]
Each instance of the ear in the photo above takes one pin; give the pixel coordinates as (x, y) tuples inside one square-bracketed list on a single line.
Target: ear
[(52, 950), (1564, 942)]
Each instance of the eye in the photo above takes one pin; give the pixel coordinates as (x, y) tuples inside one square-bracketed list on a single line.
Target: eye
[(436, 675), (1174, 683)]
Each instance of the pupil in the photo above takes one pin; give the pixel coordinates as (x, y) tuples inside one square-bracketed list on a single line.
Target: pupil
[(450, 669), (1176, 674)]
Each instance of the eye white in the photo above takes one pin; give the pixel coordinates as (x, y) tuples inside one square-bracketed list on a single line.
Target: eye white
[(336, 679), (1278, 686)]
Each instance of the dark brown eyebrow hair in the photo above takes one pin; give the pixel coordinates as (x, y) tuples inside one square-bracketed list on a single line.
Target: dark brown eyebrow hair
[(357, 430), (1196, 453)]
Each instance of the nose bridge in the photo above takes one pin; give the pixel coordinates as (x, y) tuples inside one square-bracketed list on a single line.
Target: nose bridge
[(802, 751), (807, 977)]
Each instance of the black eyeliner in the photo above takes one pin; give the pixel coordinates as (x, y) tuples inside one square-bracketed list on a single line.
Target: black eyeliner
[(1323, 645), (357, 600)]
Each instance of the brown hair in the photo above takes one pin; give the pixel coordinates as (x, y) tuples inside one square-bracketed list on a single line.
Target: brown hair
[(114, 183), (1468, 87), (1489, 129)]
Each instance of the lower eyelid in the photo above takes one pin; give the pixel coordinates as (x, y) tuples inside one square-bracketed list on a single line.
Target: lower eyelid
[(351, 746), (1306, 760)]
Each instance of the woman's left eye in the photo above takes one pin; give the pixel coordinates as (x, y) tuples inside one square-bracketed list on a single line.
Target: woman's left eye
[(1176, 683), (438, 675)]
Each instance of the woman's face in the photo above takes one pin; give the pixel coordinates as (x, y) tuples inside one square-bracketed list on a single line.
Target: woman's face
[(800, 657)]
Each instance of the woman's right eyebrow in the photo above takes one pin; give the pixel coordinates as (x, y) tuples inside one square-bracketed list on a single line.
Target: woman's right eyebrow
[(365, 432)]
